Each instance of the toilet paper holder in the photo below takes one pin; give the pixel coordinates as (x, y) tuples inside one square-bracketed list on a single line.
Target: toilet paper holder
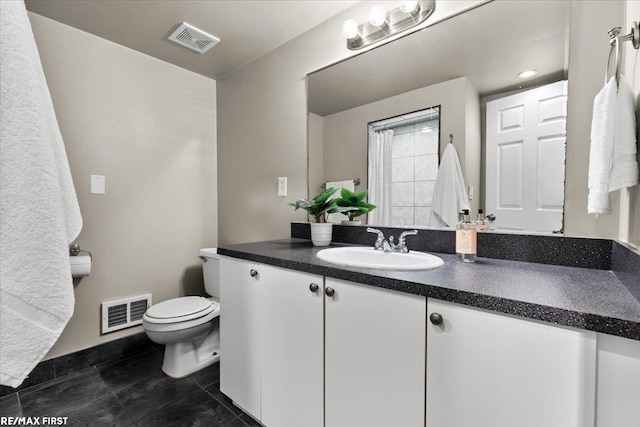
[(80, 264), (75, 250)]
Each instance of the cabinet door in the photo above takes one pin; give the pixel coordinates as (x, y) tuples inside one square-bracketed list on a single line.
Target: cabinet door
[(490, 370), (240, 331), (292, 350), (374, 357), (618, 382)]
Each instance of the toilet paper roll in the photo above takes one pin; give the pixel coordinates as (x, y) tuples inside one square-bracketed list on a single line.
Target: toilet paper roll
[(80, 265)]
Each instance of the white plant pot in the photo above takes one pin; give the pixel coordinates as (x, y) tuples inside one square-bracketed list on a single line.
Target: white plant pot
[(321, 233), (354, 222)]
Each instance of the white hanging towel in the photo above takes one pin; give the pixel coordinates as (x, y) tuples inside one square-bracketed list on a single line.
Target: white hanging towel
[(450, 193), (612, 155), (337, 218), (624, 165), (40, 215)]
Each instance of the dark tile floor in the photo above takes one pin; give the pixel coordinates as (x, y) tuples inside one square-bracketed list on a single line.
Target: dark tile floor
[(131, 391)]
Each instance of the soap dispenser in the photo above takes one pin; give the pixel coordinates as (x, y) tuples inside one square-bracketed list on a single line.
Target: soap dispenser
[(466, 239), (481, 222)]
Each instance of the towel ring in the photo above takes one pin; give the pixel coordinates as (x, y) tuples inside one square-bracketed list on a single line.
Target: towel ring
[(615, 44), (615, 40)]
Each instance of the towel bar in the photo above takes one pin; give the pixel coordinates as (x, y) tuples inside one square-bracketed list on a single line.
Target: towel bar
[(355, 182), (614, 41)]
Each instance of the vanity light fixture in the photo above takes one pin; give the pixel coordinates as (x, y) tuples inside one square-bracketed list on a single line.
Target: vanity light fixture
[(383, 24), (528, 73)]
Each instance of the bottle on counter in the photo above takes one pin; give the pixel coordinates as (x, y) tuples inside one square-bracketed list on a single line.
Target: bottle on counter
[(466, 239), (481, 222)]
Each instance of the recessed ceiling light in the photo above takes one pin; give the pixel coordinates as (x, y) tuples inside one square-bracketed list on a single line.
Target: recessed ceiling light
[(527, 74)]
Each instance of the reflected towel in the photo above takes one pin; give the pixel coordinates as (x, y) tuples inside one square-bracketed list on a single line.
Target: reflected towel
[(612, 155), (337, 218), (39, 208), (450, 193)]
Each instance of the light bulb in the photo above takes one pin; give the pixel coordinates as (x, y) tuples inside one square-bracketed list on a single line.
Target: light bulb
[(408, 6), (378, 16), (528, 73), (350, 29)]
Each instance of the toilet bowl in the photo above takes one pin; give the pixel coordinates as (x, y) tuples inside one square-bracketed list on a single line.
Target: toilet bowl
[(188, 326)]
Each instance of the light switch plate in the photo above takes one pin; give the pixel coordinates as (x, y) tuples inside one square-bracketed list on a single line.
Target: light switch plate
[(282, 186), (98, 183), (470, 191)]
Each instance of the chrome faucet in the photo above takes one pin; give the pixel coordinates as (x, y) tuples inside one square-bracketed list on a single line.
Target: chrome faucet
[(385, 245)]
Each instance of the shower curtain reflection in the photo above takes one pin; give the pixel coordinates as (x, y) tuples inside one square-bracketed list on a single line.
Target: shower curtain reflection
[(380, 176)]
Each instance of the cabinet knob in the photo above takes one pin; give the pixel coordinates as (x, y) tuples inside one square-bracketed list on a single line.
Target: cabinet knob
[(436, 318), (329, 292), (313, 288), (253, 273)]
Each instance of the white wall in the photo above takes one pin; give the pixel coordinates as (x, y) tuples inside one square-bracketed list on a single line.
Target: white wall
[(149, 127), (473, 146), (316, 153)]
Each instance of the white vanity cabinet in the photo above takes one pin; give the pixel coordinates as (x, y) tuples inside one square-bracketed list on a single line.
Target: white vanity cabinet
[(271, 342), (493, 370), (341, 354), (374, 356), (298, 349)]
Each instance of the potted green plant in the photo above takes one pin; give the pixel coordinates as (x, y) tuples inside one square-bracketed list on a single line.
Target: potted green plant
[(319, 207), (356, 204)]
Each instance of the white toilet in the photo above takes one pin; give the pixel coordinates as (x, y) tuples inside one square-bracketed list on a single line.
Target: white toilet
[(189, 326)]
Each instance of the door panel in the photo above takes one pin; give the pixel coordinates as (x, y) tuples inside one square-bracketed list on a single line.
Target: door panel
[(240, 331), (374, 357), (491, 370), (525, 157), (292, 357)]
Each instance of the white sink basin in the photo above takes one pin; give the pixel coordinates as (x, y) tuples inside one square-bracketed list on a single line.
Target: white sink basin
[(367, 257)]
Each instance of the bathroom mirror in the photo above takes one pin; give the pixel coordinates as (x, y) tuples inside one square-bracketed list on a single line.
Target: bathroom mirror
[(468, 66)]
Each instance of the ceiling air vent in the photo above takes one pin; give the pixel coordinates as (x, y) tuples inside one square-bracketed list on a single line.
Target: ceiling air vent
[(124, 313), (193, 38)]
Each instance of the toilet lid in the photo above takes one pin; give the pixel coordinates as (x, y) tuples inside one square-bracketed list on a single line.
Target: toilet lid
[(180, 309)]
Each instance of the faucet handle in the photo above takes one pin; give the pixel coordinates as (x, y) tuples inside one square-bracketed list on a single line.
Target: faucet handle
[(403, 237), (380, 238), (375, 230)]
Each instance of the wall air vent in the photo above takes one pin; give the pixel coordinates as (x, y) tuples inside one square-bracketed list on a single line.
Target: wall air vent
[(193, 38), (124, 313)]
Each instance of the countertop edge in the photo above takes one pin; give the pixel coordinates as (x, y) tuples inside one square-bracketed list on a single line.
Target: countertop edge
[(558, 316)]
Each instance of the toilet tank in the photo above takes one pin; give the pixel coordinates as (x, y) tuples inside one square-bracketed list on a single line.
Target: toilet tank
[(211, 271)]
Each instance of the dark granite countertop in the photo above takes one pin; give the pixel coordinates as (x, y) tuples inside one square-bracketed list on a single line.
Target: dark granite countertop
[(583, 298)]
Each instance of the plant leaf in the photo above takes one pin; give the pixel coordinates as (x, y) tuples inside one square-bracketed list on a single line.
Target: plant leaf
[(361, 195), (324, 196)]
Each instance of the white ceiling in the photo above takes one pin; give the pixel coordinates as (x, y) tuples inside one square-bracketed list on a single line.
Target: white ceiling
[(247, 29)]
